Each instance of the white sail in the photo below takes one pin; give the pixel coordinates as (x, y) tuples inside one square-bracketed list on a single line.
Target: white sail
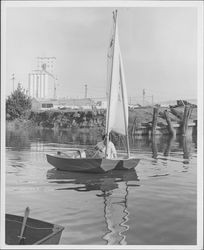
[(117, 111)]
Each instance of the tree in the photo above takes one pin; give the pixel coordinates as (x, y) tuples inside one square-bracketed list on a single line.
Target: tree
[(17, 104)]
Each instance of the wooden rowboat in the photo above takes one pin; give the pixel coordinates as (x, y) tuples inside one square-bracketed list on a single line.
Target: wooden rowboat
[(36, 232), (90, 165)]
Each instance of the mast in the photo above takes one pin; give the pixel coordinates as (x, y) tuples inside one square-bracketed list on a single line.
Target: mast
[(107, 115), (125, 116)]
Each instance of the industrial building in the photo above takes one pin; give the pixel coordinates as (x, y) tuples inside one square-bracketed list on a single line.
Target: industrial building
[(42, 82), (39, 104), (42, 90)]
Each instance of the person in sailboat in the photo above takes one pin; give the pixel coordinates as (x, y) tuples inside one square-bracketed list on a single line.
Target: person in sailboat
[(101, 148), (99, 151)]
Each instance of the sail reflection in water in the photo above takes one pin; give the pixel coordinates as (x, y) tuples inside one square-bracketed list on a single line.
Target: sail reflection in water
[(113, 187), (116, 216)]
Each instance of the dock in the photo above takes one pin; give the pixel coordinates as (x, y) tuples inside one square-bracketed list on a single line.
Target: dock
[(164, 121)]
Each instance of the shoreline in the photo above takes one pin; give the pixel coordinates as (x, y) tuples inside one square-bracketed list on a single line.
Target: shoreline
[(141, 120)]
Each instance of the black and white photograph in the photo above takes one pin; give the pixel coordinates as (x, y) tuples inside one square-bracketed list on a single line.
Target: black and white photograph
[(102, 125)]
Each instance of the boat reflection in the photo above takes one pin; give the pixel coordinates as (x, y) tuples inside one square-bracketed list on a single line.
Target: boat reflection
[(103, 182), (113, 187)]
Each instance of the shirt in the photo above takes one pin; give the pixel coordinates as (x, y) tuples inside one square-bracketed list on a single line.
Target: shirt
[(111, 151)]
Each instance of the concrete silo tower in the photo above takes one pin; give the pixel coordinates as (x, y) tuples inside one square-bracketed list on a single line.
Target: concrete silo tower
[(42, 82)]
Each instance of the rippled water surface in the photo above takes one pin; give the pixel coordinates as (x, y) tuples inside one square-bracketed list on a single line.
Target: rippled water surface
[(153, 204)]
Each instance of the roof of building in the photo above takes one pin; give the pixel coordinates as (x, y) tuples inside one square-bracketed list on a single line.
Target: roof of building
[(66, 102)]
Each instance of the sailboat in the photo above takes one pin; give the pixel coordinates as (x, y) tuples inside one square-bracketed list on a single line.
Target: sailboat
[(116, 118)]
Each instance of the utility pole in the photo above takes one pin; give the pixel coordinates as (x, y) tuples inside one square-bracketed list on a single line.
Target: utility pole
[(86, 89), (13, 78), (37, 87), (55, 88), (152, 100), (143, 95)]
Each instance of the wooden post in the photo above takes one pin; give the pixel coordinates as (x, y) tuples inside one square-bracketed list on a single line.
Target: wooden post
[(186, 115), (169, 124), (185, 148), (169, 144), (134, 126), (154, 120), (154, 147), (194, 133)]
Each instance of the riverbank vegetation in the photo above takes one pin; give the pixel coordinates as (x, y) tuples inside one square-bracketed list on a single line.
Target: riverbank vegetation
[(18, 105), (20, 115), (56, 119)]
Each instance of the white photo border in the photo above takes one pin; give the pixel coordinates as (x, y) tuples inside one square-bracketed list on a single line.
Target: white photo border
[(53, 4)]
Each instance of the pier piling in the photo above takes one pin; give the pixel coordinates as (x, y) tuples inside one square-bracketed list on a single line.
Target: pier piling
[(195, 128), (154, 120), (186, 115), (154, 147), (169, 124), (133, 127)]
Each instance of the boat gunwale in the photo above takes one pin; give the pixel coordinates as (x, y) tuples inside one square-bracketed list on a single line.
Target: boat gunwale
[(80, 159), (56, 229)]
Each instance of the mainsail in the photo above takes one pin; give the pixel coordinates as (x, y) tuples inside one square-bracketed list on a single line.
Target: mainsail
[(117, 109)]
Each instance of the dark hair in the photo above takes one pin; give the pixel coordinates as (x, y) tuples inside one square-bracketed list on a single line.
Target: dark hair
[(104, 136)]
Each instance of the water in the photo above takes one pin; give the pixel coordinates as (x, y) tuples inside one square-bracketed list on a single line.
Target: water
[(152, 205)]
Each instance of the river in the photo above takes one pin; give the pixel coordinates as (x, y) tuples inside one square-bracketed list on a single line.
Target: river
[(154, 204)]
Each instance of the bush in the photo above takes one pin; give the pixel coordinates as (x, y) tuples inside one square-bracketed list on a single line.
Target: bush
[(18, 104)]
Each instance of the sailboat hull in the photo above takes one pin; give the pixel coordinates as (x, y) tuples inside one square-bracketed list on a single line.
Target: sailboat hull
[(91, 165)]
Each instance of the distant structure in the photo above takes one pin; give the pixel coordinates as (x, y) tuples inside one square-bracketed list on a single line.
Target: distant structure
[(143, 97), (42, 82), (86, 89), (48, 62), (63, 104), (13, 79)]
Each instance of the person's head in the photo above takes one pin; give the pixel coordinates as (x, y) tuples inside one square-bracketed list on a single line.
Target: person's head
[(105, 136)]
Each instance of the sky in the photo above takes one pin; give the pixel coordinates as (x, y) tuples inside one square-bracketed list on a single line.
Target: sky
[(158, 46)]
